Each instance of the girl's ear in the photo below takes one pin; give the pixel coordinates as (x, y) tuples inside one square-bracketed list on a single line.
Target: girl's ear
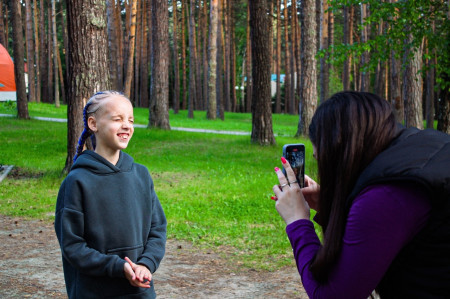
[(92, 124)]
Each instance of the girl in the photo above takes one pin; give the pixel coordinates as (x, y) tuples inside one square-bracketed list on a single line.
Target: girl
[(109, 222), (383, 204)]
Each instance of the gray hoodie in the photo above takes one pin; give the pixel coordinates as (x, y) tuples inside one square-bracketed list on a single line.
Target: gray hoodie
[(105, 212)]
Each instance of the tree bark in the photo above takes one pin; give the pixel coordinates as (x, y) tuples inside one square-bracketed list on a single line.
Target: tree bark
[(233, 57), (112, 42), (159, 117), (55, 55), (348, 40), (30, 53), (176, 69), (249, 85), (324, 71), (131, 45), (278, 60), (61, 78), (212, 57), (19, 77), (262, 132), (365, 79), (137, 55), (292, 56), (396, 89), (204, 30), (3, 39), (43, 54), (192, 60), (412, 89), (309, 73), (226, 45), (143, 93), (287, 69), (219, 59), (183, 54), (36, 52), (88, 61), (50, 73), (120, 46), (430, 93)]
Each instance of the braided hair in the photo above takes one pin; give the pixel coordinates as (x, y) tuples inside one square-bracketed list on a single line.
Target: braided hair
[(90, 108)]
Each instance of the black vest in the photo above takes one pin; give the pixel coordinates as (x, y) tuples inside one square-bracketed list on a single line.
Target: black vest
[(422, 268)]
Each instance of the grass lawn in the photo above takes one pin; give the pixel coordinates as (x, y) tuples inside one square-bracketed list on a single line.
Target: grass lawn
[(215, 189)]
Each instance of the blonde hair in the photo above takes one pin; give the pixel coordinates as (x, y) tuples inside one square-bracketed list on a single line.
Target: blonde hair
[(92, 106)]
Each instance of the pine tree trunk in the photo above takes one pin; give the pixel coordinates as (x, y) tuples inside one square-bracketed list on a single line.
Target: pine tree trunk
[(287, 69), (226, 45), (43, 54), (137, 55), (131, 46), (220, 66), (212, 57), (396, 89), (55, 55), (120, 46), (30, 53), (143, 93), (3, 39), (348, 40), (51, 83), (146, 102), (112, 42), (412, 89), (205, 54), (198, 68), (88, 61), (278, 60), (430, 92), (61, 78), (324, 72), (298, 65), (64, 82), (249, 86), (233, 58), (309, 74), (192, 61), (183, 54), (159, 117), (365, 79), (36, 52), (292, 61), (262, 132), (176, 69), (19, 76)]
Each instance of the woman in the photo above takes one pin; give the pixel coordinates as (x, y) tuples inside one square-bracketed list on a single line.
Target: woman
[(383, 204)]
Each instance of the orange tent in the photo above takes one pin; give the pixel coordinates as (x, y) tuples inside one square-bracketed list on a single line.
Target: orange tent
[(7, 83)]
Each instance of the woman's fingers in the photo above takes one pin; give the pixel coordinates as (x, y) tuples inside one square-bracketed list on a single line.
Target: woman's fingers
[(289, 171)]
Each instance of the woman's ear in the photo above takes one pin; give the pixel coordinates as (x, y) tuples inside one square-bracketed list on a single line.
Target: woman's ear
[(92, 123)]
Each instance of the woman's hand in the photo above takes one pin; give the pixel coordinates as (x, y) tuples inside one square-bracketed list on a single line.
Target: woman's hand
[(137, 275), (290, 203), (311, 192)]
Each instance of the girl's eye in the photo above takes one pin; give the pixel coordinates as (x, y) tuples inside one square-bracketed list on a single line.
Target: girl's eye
[(132, 121)]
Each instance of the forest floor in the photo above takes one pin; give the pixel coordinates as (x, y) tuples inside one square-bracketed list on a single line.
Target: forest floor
[(31, 267)]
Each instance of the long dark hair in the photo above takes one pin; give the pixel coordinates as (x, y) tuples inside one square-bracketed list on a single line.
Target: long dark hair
[(348, 131)]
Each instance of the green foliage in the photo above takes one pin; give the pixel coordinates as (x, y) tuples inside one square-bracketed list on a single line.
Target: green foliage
[(408, 24), (215, 189)]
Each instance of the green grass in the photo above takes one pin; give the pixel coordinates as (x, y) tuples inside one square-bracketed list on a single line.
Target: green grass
[(215, 189)]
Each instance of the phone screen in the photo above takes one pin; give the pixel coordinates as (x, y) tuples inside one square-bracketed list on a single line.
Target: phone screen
[(295, 154)]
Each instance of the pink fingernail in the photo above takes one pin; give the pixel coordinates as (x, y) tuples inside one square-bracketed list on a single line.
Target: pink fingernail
[(274, 198), (283, 160), (276, 169)]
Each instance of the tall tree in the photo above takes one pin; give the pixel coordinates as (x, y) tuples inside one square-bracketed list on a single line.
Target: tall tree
[(308, 76), (183, 54), (43, 53), (226, 45), (212, 58), (88, 61), (50, 53), (262, 132), (19, 76), (55, 54), (287, 64), (278, 60), (204, 30), (412, 88), (192, 60), (159, 94), (36, 52), (112, 42), (3, 39), (233, 57), (348, 40), (143, 93), (248, 64), (365, 79), (324, 71), (30, 53), (120, 45), (131, 45), (176, 67)]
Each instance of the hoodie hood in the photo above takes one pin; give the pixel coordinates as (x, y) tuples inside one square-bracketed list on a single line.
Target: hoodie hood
[(95, 163)]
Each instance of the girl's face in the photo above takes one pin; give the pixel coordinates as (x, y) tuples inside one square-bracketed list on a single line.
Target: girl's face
[(112, 124)]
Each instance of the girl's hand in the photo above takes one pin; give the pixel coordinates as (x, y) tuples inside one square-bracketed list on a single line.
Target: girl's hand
[(290, 203), (137, 275), (311, 192)]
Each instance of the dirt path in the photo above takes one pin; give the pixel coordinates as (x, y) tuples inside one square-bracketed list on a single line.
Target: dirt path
[(30, 267)]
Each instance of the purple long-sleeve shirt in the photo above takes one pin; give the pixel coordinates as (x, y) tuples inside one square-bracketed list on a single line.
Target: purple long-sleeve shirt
[(382, 220)]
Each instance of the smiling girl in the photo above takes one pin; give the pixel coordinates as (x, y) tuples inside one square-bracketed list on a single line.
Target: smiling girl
[(109, 222)]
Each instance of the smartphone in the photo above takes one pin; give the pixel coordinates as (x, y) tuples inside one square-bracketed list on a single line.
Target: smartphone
[(295, 154)]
